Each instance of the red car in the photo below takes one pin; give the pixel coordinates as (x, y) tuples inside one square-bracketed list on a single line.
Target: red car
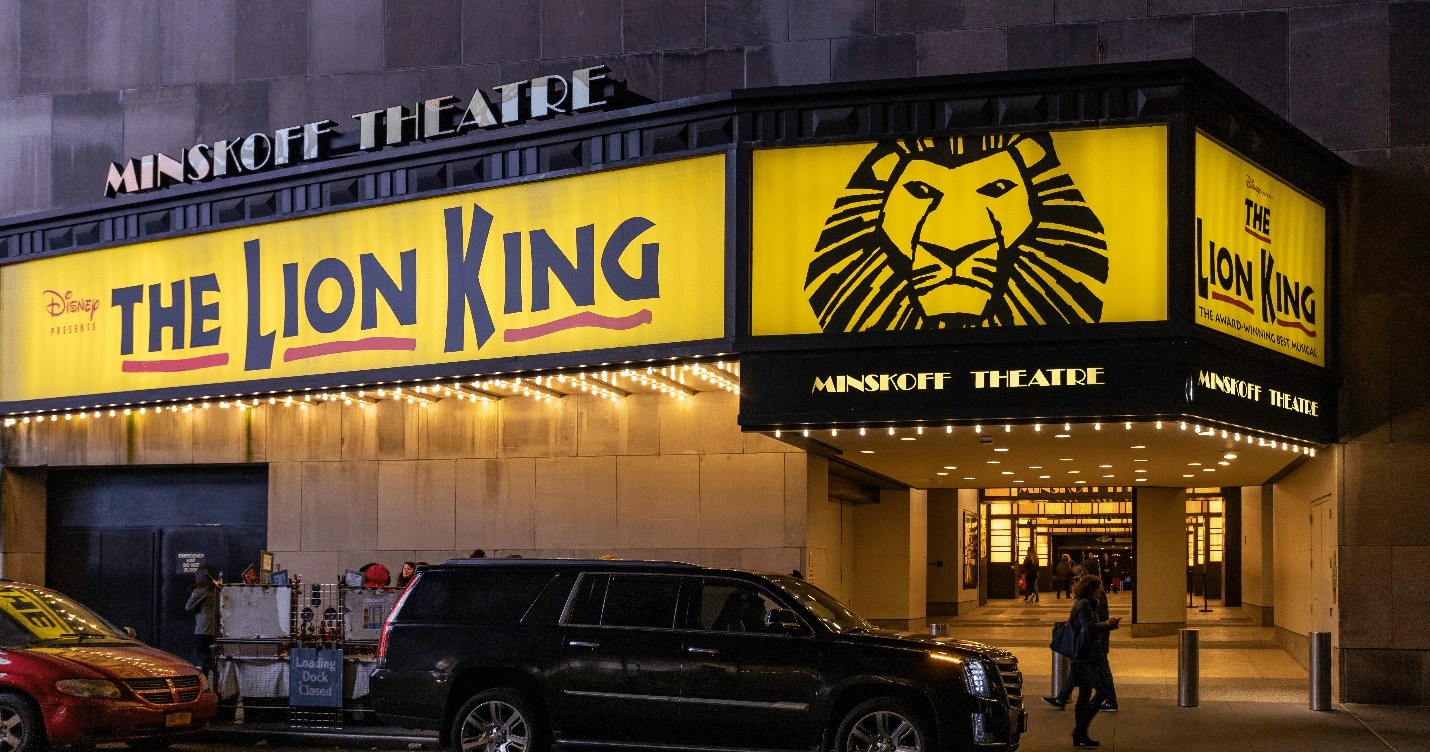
[(67, 677)]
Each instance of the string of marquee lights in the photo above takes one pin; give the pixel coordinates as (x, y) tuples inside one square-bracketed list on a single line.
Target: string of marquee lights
[(1208, 429), (677, 379)]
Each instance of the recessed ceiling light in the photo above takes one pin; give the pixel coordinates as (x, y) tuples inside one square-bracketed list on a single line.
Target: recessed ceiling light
[(1139, 480), (1000, 449), (1139, 471), (940, 473), (1035, 467), (949, 467), (1230, 455), (1189, 475), (1139, 446), (1045, 476), (907, 438), (994, 462), (1194, 464), (867, 451), (1208, 469), (1073, 472), (1064, 459), (1104, 465), (1107, 476), (968, 479), (1007, 472), (1063, 436), (1223, 462), (1139, 460), (1082, 481)]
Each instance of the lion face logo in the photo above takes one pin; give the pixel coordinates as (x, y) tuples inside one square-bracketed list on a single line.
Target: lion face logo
[(959, 232)]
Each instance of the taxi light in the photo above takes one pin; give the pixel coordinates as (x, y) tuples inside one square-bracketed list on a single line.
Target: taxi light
[(88, 688)]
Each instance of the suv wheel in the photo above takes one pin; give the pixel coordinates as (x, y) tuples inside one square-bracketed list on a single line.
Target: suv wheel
[(884, 724), (497, 720), (20, 727)]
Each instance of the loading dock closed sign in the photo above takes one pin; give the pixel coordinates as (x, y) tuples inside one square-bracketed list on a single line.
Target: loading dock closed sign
[(315, 678)]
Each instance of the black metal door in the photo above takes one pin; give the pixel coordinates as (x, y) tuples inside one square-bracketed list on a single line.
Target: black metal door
[(125, 541)]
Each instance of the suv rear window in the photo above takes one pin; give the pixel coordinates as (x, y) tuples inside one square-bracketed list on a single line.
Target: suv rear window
[(473, 596)]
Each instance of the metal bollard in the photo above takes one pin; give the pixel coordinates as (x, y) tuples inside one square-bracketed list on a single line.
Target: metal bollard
[(1320, 670), (938, 630), (1188, 669), (1062, 673)]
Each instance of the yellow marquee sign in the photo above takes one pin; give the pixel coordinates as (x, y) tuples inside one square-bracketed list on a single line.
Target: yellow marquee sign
[(1009, 229), (1261, 256), (611, 259)]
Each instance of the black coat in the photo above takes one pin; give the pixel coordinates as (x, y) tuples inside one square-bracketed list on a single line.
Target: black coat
[(1092, 623)]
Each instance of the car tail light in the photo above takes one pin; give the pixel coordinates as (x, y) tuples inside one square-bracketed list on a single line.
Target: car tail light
[(387, 623)]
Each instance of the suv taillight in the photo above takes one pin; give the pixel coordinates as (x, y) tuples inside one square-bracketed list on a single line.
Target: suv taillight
[(387, 623)]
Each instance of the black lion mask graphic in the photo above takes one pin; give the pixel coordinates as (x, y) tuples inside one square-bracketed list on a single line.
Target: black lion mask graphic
[(950, 232)]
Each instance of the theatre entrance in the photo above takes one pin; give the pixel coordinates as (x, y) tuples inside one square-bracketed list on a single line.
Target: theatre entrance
[(1091, 522)]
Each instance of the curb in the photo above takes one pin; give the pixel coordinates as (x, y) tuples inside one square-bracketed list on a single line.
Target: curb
[(369, 736)]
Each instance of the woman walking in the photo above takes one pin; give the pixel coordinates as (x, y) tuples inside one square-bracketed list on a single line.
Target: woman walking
[(1030, 573), (1087, 674)]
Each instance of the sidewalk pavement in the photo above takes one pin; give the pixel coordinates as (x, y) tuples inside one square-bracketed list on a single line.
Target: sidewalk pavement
[(1254, 697)]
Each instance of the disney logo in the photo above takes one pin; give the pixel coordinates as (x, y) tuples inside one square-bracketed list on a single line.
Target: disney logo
[(59, 304), (1251, 183)]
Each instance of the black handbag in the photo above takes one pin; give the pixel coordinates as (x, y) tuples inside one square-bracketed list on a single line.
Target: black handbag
[(1066, 640)]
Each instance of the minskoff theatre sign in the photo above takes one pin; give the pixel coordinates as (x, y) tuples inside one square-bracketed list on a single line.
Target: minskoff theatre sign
[(440, 117)]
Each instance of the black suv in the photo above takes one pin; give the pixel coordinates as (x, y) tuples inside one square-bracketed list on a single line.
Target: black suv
[(520, 654)]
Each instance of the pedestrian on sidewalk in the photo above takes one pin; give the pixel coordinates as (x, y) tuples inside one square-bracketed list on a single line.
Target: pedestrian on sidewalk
[(203, 604), (1063, 582), (1104, 639), (1087, 667), (1030, 572)]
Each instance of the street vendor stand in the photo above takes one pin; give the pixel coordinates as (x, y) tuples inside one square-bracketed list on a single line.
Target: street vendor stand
[(267, 630)]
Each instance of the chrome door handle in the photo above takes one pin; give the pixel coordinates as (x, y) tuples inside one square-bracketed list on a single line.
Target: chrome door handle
[(579, 644), (703, 651)]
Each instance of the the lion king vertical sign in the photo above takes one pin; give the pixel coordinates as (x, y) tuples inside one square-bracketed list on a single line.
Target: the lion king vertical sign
[(1008, 229), (1261, 256)]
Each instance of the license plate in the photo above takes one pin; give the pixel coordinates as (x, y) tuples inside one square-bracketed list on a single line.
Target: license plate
[(178, 719)]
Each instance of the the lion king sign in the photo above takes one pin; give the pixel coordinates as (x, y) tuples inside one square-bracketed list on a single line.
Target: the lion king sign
[(1008, 229)]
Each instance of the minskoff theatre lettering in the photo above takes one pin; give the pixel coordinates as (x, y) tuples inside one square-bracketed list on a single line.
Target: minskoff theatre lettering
[(440, 117), (881, 382), (937, 380), (1252, 392)]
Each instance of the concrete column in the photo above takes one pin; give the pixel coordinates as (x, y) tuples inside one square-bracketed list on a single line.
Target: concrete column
[(945, 552), (1258, 556), (1159, 586), (22, 538), (891, 560)]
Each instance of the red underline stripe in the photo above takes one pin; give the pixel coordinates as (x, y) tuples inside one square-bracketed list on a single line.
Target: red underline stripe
[(584, 318), (1238, 303), (347, 346), (1295, 325), (172, 366), (1262, 238)]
